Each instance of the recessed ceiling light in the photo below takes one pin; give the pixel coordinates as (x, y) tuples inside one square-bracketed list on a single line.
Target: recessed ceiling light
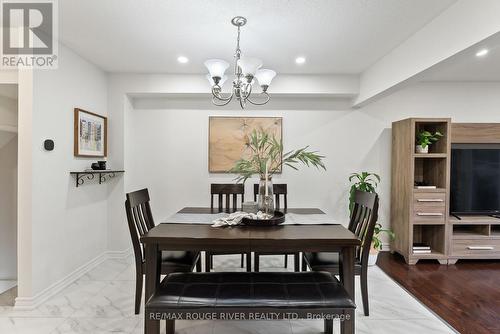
[(300, 60), (182, 59), (482, 53)]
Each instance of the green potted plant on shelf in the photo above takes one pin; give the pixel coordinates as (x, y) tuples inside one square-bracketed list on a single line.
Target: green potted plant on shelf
[(264, 157), (425, 139), (368, 182)]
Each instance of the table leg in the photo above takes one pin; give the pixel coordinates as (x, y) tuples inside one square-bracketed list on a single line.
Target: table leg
[(152, 282), (347, 280)]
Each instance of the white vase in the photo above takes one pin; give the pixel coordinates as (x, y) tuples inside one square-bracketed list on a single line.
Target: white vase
[(372, 258), (420, 149)]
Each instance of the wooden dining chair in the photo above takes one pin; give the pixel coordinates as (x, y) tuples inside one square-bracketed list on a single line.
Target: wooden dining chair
[(140, 221), (229, 196), (362, 223), (280, 190)]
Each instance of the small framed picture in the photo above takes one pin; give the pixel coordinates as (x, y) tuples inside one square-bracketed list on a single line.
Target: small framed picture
[(91, 134)]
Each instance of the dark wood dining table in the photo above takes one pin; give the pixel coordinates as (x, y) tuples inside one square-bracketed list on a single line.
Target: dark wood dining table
[(242, 239)]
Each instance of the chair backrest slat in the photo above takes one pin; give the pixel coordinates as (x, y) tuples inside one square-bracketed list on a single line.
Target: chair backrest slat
[(364, 216), (227, 190), (279, 190), (140, 219)]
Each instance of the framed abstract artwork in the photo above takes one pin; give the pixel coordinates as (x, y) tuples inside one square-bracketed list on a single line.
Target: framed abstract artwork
[(228, 138), (91, 134)]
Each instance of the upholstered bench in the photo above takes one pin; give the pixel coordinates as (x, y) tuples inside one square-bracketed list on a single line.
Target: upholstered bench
[(250, 296)]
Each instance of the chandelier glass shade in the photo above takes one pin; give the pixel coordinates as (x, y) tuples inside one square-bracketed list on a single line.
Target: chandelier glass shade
[(246, 70)]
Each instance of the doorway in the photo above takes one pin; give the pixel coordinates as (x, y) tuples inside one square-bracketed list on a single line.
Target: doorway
[(8, 192)]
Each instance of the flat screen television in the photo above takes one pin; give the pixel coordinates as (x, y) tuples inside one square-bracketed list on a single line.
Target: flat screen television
[(475, 179)]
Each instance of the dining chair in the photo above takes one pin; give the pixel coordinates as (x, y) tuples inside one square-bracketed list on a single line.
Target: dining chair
[(280, 190), (229, 196), (362, 223), (140, 221)]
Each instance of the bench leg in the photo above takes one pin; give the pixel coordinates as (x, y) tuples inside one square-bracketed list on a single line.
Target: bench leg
[(170, 327), (296, 262), (328, 326)]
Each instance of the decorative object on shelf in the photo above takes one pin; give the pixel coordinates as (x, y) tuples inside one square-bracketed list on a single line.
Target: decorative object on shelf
[(48, 145), (377, 243), (266, 159), (228, 139), (90, 134), (246, 70), (425, 139), (99, 165), (421, 248), (87, 175), (364, 181)]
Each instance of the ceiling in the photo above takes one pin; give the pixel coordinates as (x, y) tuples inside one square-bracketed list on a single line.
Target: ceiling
[(336, 36), (466, 66)]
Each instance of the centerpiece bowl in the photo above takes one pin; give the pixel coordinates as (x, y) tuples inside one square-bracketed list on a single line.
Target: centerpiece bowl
[(277, 219)]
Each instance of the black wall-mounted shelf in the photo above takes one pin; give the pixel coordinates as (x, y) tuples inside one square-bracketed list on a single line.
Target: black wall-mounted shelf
[(81, 177)]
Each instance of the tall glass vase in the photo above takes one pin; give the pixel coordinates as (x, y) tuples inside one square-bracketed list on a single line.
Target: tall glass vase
[(266, 196)]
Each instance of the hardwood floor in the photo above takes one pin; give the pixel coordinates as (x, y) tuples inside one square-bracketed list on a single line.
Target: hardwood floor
[(466, 295)]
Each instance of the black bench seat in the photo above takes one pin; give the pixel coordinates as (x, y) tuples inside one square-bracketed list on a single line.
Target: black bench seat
[(250, 295)]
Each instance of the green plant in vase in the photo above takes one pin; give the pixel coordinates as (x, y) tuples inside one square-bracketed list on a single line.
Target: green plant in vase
[(266, 158), (425, 138), (368, 182), (377, 243), (363, 181)]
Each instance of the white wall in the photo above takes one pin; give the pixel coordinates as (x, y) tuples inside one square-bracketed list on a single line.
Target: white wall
[(68, 224), (8, 188), (171, 144)]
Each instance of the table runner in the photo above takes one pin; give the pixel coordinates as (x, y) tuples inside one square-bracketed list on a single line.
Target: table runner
[(290, 219)]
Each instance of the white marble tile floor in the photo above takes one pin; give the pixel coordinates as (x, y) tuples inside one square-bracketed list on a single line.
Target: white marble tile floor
[(102, 302)]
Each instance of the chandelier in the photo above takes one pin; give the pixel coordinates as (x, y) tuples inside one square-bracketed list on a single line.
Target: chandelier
[(246, 71)]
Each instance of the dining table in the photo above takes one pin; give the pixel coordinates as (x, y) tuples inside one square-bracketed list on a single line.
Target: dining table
[(190, 230)]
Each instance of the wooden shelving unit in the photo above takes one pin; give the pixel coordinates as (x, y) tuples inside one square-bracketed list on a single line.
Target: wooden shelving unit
[(420, 215)]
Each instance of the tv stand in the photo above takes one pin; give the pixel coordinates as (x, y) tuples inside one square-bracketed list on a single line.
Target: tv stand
[(475, 237), (422, 215)]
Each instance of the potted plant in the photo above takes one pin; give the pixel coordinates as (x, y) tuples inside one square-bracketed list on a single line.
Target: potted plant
[(426, 138), (364, 181), (368, 182), (265, 158), (377, 243)]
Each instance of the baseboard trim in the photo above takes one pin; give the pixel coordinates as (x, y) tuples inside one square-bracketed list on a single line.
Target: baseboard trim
[(30, 303)]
